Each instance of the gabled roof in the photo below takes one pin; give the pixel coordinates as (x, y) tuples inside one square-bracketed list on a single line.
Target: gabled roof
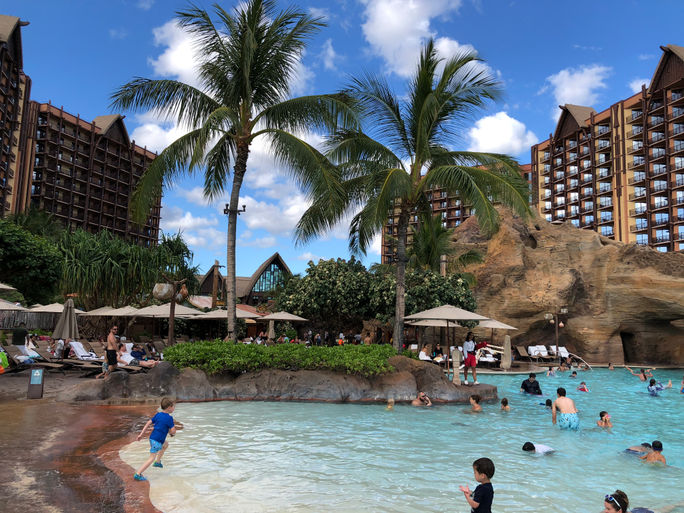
[(112, 125), (668, 52), (249, 285), (9, 28), (576, 116)]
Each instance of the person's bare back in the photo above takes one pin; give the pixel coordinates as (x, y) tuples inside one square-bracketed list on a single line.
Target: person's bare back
[(565, 405), (654, 457)]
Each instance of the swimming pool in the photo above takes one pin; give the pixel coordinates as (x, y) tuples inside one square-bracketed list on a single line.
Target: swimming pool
[(302, 457)]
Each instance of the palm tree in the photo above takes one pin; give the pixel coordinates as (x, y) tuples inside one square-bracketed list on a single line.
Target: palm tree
[(430, 240), (247, 59), (388, 170)]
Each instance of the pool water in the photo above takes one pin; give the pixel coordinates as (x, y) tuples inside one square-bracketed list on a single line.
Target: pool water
[(305, 457)]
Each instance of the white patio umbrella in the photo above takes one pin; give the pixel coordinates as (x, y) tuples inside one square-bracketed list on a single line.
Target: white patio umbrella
[(164, 311), (124, 311), (451, 315), (6, 306), (4, 286), (103, 311), (283, 316), (55, 308)]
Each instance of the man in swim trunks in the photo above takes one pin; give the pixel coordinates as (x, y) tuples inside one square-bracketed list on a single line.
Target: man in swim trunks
[(111, 350), (564, 411)]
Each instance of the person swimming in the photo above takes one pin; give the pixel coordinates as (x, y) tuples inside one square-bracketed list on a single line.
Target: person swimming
[(604, 420), (639, 449), (538, 448), (655, 387), (582, 387), (656, 455), (564, 411)]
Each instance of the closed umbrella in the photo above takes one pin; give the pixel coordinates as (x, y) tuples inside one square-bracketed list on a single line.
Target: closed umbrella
[(66, 324)]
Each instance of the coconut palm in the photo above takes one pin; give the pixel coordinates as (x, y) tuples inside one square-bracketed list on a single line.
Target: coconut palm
[(247, 59), (406, 150)]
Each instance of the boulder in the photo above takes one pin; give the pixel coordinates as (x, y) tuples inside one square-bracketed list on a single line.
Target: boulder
[(625, 302)]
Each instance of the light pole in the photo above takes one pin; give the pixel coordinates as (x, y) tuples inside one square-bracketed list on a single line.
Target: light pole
[(553, 319)]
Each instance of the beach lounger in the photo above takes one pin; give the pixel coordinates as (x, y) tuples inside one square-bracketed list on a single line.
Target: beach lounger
[(159, 347), (522, 352), (22, 358)]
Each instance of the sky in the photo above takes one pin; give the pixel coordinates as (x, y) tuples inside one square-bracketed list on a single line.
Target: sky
[(544, 53)]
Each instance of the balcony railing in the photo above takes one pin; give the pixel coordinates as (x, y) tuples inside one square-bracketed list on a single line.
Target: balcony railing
[(638, 227), (658, 171), (636, 114), (637, 211), (659, 187)]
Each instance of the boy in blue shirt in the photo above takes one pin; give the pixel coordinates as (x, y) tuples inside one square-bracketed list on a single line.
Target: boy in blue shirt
[(480, 500), (163, 425)]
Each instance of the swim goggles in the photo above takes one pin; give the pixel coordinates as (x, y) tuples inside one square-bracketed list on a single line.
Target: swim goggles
[(610, 498)]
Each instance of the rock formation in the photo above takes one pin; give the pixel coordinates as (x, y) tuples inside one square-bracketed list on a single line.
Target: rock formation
[(625, 302), (409, 377)]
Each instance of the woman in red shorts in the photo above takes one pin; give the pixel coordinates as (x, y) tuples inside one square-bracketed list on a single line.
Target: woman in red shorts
[(469, 358)]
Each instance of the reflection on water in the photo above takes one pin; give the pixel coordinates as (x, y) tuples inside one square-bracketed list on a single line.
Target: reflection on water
[(302, 457)]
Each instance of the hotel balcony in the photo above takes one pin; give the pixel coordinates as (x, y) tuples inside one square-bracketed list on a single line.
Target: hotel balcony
[(655, 106), (637, 211), (662, 170), (636, 114), (634, 150), (678, 182), (636, 131), (656, 138), (679, 200), (587, 208), (638, 227), (605, 204), (605, 219), (636, 163), (677, 114), (637, 178), (677, 129), (546, 157), (659, 187), (637, 195), (658, 154), (661, 222), (677, 147), (604, 190), (660, 203)]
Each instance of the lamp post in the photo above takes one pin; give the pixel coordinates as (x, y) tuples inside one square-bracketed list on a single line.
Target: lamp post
[(553, 319), (230, 295)]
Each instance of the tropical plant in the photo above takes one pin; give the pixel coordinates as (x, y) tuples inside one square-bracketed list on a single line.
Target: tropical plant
[(247, 59), (430, 240), (406, 150), (29, 262), (38, 222), (104, 270)]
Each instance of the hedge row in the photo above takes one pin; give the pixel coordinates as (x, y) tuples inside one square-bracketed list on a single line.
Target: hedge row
[(218, 357)]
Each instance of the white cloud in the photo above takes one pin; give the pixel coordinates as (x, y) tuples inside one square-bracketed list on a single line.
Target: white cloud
[(635, 85), (309, 256), (174, 219), (376, 245), (329, 55), (395, 29), (276, 218), (196, 196), (145, 5), (320, 12), (260, 242), (578, 86), (501, 133), (157, 136), (117, 33), (647, 56), (179, 59), (301, 79)]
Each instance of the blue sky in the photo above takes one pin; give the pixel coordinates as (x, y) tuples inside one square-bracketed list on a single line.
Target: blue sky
[(545, 53)]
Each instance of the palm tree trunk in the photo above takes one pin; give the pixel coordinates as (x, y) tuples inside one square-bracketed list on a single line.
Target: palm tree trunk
[(400, 305), (238, 175)]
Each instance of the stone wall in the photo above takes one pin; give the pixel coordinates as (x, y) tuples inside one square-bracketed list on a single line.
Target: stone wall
[(625, 302)]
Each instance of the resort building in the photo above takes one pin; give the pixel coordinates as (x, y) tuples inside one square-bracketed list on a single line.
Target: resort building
[(251, 290), (15, 88), (620, 172), (81, 172), (84, 172), (450, 208)]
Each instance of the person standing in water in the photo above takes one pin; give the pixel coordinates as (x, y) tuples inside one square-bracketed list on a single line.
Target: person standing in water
[(564, 411)]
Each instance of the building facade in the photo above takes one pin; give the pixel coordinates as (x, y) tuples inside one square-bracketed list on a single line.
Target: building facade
[(81, 172), (15, 88), (449, 208), (84, 173), (620, 172)]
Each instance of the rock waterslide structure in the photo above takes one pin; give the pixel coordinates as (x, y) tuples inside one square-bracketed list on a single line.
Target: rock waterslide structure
[(403, 384), (625, 302)]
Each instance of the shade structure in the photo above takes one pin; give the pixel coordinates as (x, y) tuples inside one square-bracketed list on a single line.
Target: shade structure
[(124, 311), (164, 311), (67, 327), (54, 308), (446, 313), (103, 311), (283, 316), (6, 306), (434, 323), (495, 325), (223, 314), (4, 286)]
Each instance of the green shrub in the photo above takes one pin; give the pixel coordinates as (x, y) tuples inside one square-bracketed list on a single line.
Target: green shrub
[(218, 357)]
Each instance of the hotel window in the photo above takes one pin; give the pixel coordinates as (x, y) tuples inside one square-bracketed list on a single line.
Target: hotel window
[(457, 213), (560, 214), (660, 202), (604, 187), (586, 164), (558, 161), (680, 232), (587, 191), (642, 239), (548, 205), (547, 168), (657, 136), (546, 155), (606, 216), (679, 199), (659, 185), (659, 169), (548, 217), (656, 120), (560, 187), (637, 129), (639, 176), (661, 249), (574, 210), (638, 160), (588, 206), (606, 231), (678, 128), (641, 223), (661, 218), (572, 144), (602, 129), (640, 208), (443, 204), (637, 145), (679, 163), (658, 152), (676, 95), (585, 150), (560, 200), (636, 113), (639, 192), (444, 215), (603, 143), (605, 201), (560, 175), (574, 183), (547, 180), (575, 222), (678, 145), (588, 220), (662, 235), (574, 196), (573, 169), (587, 177)]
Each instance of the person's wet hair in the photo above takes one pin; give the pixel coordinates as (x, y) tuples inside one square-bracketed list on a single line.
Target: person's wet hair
[(619, 499), (528, 446), (476, 398), (657, 445), (532, 375), (560, 391), (504, 402), (602, 414), (549, 402), (652, 382), (484, 466)]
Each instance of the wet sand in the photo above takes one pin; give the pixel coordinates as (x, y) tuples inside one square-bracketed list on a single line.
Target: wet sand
[(62, 457)]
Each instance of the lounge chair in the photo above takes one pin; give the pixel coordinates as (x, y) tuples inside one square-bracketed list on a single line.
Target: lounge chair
[(159, 346), (522, 352), (541, 353), (22, 358)]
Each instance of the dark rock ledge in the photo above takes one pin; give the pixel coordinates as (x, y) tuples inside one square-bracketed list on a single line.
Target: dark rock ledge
[(403, 384)]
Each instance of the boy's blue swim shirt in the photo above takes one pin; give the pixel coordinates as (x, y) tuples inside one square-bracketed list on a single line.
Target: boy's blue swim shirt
[(162, 423)]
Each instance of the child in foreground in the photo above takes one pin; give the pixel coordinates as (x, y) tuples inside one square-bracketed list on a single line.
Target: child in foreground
[(481, 499), (163, 425), (475, 402), (655, 387)]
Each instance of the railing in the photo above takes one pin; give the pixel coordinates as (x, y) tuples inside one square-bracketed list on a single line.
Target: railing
[(636, 114), (658, 171)]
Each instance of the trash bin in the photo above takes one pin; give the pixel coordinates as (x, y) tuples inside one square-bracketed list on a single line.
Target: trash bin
[(35, 387)]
